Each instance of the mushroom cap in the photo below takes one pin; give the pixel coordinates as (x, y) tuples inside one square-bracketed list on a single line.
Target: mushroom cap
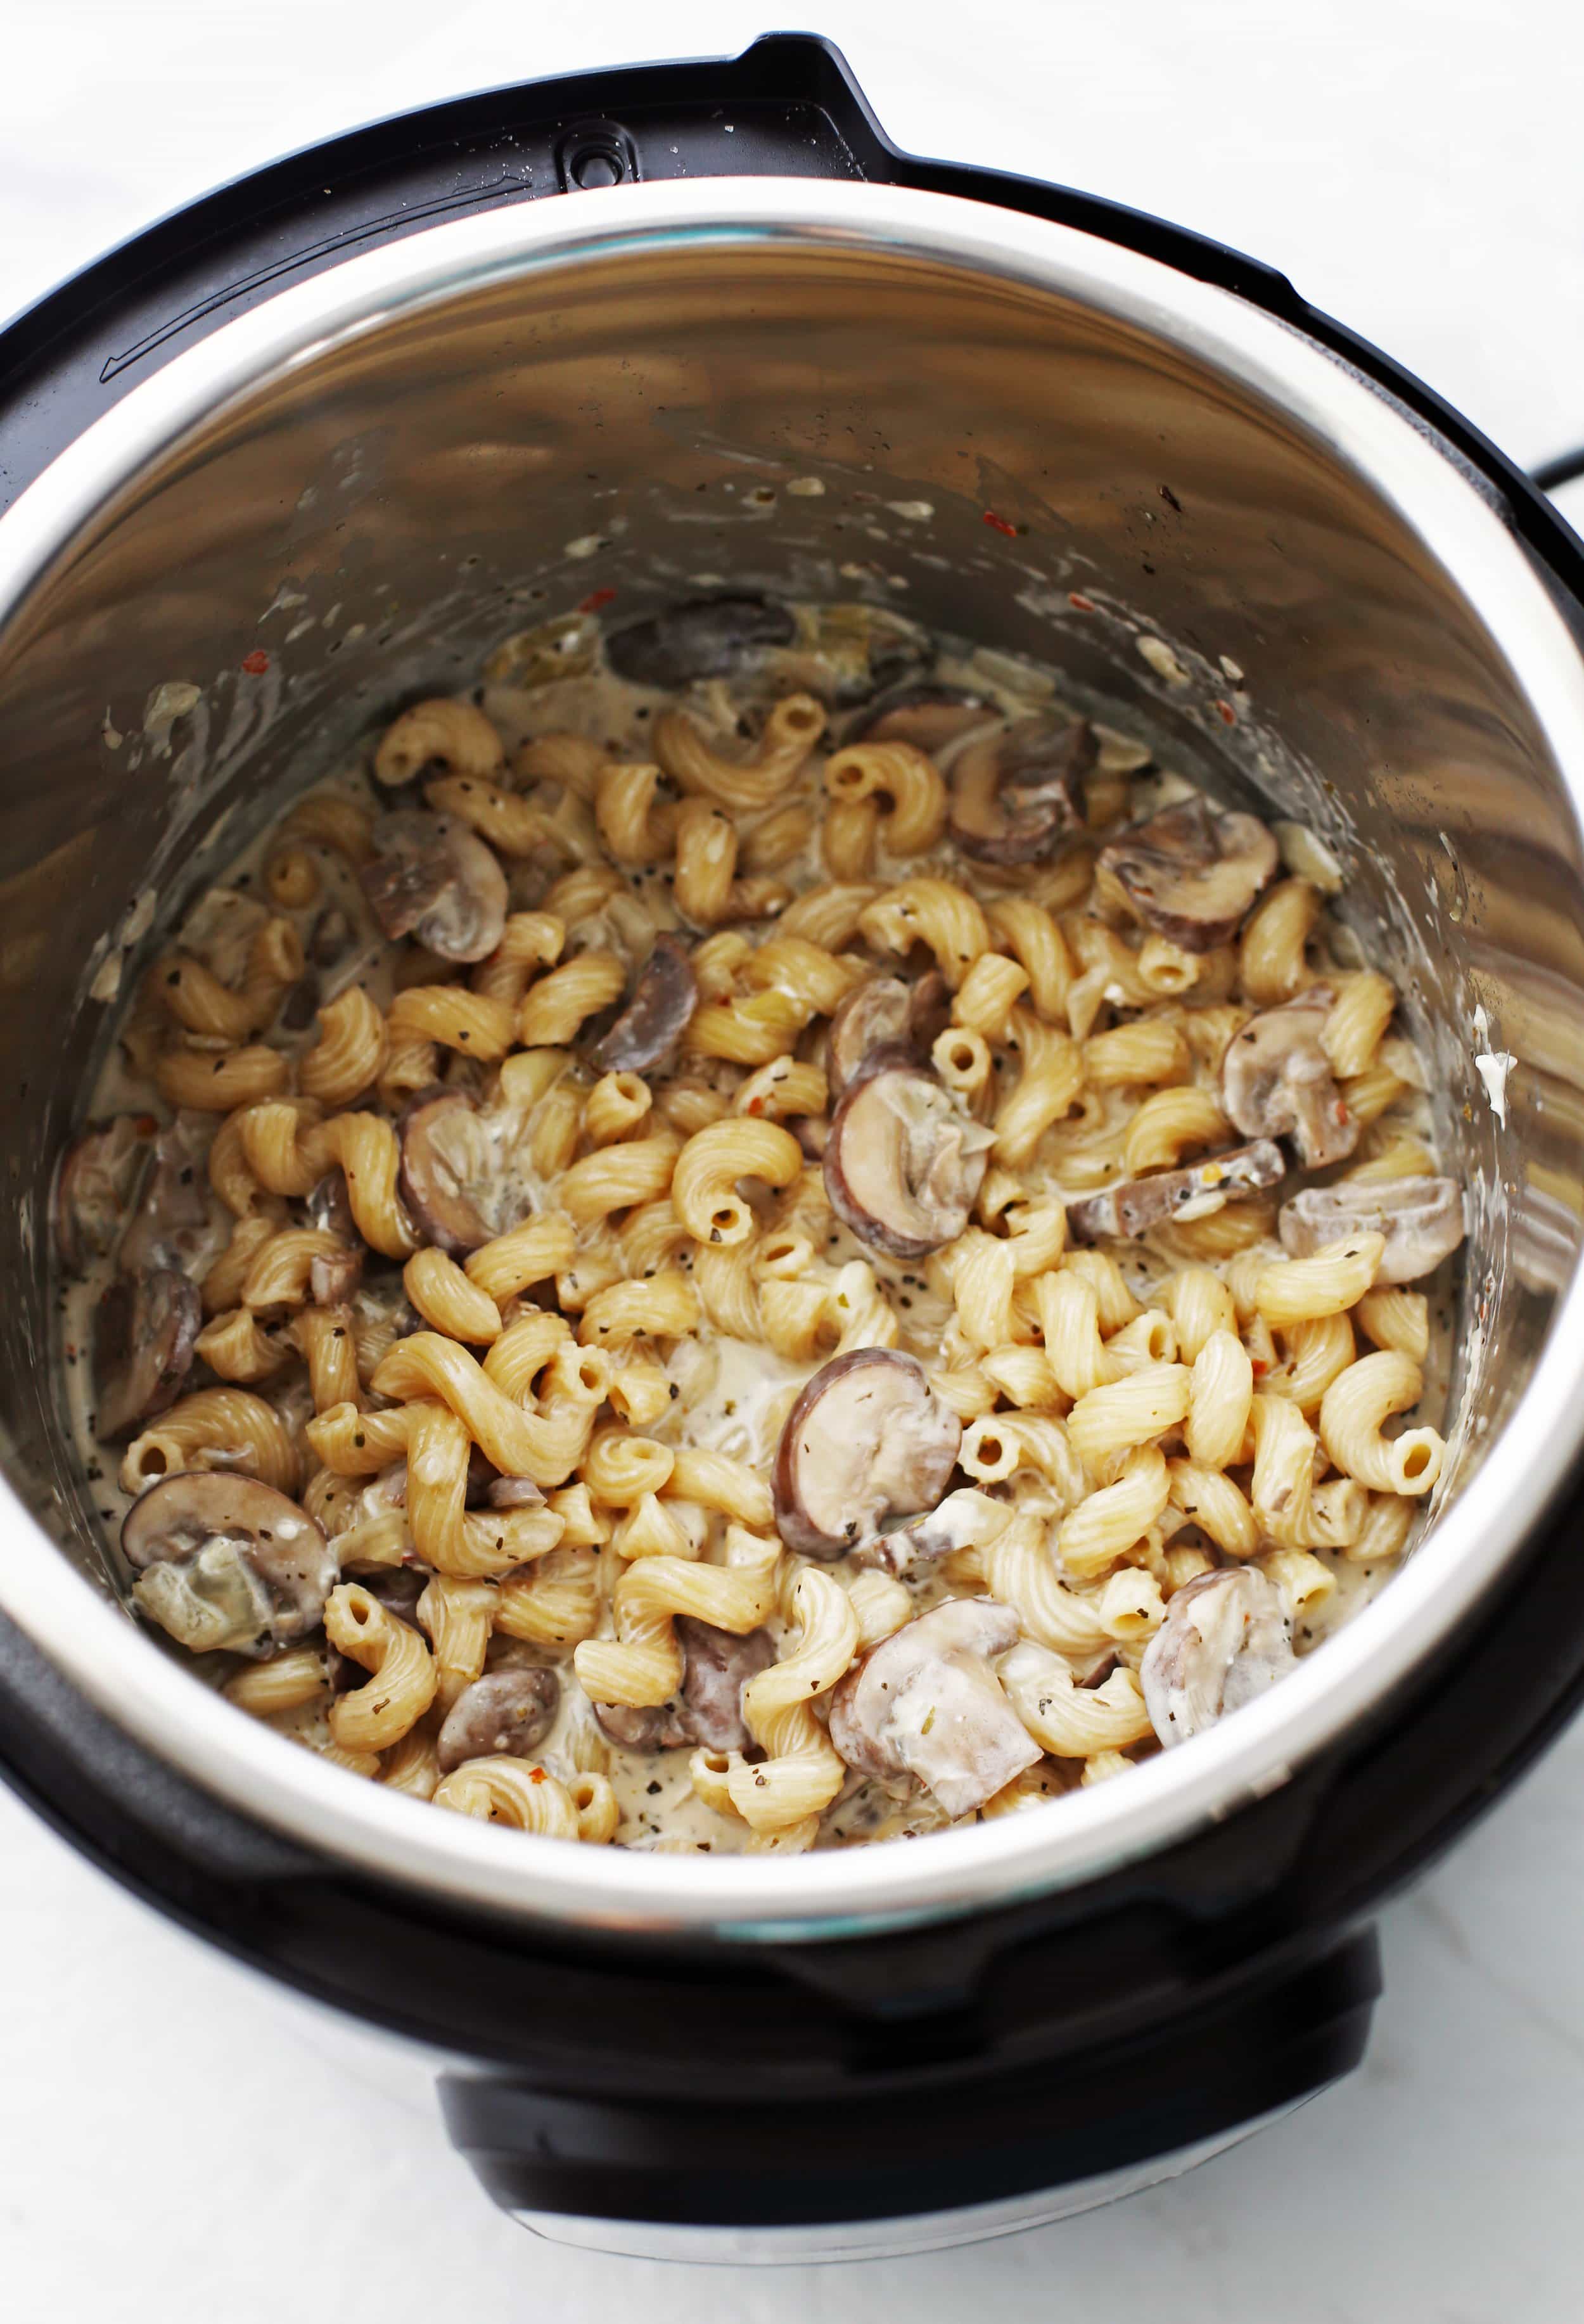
[(223, 1561), (867, 1438), (926, 1702), (1137, 1204), (1016, 794), (145, 1333), (882, 1014), (96, 1185), (903, 1163), (451, 1176), (1277, 1080), (1422, 1219), (654, 1019), (1226, 1637), (1193, 874), (509, 1710), (430, 876), (930, 716), (708, 637)]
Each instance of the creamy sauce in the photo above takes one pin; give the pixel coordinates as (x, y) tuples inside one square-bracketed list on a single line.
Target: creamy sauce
[(728, 1395)]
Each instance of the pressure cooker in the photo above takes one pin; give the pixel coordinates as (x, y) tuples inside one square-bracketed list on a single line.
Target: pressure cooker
[(308, 447)]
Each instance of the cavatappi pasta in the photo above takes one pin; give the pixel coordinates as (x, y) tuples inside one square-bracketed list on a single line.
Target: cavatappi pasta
[(674, 1245)]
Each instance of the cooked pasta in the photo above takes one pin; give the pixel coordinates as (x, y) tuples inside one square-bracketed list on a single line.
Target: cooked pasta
[(519, 1208)]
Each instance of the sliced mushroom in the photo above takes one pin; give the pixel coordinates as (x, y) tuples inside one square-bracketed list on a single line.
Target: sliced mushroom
[(96, 1183), (301, 1005), (903, 1162), (709, 637), (506, 1710), (1422, 1219), (926, 1702), (451, 1178), (223, 1561), (513, 1493), (719, 1665), (1018, 795), (965, 1520), (1193, 874), (144, 1334), (1165, 1195), (328, 1206), (332, 1276), (867, 1439), (930, 717), (171, 1221), (1276, 1082), (880, 1016), (656, 1018), (1227, 1636), (708, 1710), (329, 937), (431, 877)]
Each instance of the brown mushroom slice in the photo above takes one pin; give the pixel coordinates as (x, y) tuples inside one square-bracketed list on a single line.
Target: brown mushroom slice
[(223, 1561), (96, 1185), (656, 1018), (965, 1520), (1276, 1082), (1018, 795), (867, 1439), (1422, 1219), (1226, 1639), (717, 1665), (450, 1177), (926, 1702), (145, 1333), (509, 1711), (708, 637), (1163, 1196), (1193, 874), (903, 1162), (328, 1206), (930, 717), (882, 1014), (170, 1223), (431, 877)]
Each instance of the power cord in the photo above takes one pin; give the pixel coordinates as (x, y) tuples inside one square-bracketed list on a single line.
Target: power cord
[(1551, 473)]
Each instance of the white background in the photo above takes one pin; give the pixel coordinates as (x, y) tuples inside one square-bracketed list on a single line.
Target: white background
[(177, 2141)]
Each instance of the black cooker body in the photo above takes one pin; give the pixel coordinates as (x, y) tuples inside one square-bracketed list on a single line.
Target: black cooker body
[(1064, 2042)]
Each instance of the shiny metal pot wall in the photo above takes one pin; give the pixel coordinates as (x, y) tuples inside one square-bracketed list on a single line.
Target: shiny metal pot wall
[(1008, 428)]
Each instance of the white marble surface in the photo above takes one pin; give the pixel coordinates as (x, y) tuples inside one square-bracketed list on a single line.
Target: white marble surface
[(178, 2140)]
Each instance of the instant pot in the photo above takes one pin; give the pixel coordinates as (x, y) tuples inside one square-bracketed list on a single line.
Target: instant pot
[(303, 452)]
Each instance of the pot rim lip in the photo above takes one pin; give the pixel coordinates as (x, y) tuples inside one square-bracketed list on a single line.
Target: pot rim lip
[(858, 1891)]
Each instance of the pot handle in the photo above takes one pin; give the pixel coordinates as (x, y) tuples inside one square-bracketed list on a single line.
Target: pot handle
[(787, 107)]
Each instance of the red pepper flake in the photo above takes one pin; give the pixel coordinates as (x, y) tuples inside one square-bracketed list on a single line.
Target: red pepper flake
[(1081, 604), (255, 663), (1002, 524), (1225, 712), (145, 1125), (536, 1774), (1258, 1367), (595, 599)]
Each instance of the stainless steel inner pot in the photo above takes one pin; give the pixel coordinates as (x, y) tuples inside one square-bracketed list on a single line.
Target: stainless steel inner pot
[(823, 389)]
